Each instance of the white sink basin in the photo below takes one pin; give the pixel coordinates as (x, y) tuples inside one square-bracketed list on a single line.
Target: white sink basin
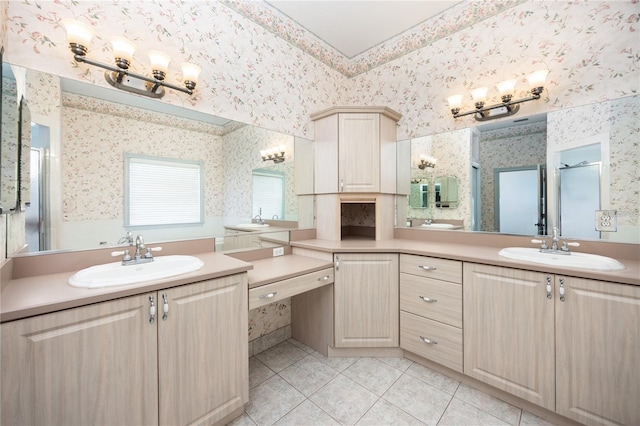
[(252, 225), (438, 225), (113, 274), (573, 260)]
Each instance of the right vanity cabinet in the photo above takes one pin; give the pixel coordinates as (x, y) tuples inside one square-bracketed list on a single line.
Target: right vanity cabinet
[(567, 344)]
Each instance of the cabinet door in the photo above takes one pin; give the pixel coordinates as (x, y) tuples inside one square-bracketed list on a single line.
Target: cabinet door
[(366, 300), (508, 331), (203, 351), (359, 152), (598, 342), (92, 365)]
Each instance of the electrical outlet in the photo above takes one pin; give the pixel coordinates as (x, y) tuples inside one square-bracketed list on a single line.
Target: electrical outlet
[(606, 220), (278, 251)]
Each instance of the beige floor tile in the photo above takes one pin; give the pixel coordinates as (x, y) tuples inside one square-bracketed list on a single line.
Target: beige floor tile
[(344, 400), (385, 413), (528, 419), (373, 374), (301, 346), (272, 400), (307, 414), (489, 404), (258, 372), (339, 364), (461, 413), (401, 364), (281, 356), (243, 420), (421, 400), (435, 379), (308, 375)]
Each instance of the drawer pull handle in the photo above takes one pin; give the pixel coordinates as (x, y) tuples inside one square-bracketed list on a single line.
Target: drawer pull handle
[(428, 300), (427, 268), (268, 295), (428, 341), (325, 278)]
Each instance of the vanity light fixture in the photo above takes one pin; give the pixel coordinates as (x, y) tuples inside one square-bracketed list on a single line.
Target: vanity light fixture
[(274, 154), (79, 37), (426, 161), (507, 107)]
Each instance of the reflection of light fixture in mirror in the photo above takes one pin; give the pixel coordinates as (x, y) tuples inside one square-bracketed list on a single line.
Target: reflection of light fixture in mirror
[(427, 162), (79, 36), (507, 107), (274, 154)]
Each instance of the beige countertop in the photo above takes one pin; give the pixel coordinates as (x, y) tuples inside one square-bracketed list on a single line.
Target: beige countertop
[(40, 294), (266, 271), (469, 253)]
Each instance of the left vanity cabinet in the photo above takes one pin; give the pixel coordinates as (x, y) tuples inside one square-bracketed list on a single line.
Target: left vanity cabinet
[(110, 363)]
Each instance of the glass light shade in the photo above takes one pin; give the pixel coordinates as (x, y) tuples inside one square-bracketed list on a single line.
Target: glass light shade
[(78, 32), (455, 101), (122, 48), (537, 79), (281, 148), (190, 72), (506, 87), (263, 153), (479, 94), (159, 61)]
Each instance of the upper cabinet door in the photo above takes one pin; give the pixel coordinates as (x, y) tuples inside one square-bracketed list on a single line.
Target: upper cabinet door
[(94, 365), (355, 151), (359, 153)]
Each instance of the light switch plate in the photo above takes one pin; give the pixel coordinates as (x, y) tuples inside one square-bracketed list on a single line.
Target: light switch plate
[(278, 251), (606, 220)]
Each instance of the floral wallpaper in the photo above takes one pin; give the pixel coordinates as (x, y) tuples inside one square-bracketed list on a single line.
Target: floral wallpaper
[(9, 150), (524, 145)]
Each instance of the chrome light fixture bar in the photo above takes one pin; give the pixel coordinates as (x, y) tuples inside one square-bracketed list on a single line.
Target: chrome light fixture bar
[(79, 37), (507, 107), (273, 154)]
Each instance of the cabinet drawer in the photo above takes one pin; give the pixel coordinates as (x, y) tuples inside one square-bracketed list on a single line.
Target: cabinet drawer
[(434, 299), (263, 295), (432, 267), (446, 341)]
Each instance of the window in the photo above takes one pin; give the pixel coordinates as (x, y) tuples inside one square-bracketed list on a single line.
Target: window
[(162, 191), (268, 193)]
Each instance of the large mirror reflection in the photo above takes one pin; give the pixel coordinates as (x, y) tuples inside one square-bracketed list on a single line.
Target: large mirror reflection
[(530, 174), (83, 134)]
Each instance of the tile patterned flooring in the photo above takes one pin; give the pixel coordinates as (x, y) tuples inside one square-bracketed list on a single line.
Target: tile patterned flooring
[(292, 384)]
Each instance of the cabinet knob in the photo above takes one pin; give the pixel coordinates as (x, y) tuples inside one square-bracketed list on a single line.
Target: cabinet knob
[(428, 341), (165, 307), (325, 278), (428, 300), (549, 295), (152, 310), (561, 290), (268, 295), (427, 268)]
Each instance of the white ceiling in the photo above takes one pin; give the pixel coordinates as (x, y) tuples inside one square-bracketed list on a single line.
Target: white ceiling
[(352, 27)]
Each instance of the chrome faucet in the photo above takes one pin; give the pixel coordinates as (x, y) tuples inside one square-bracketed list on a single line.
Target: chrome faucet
[(259, 220), (564, 247), (139, 256)]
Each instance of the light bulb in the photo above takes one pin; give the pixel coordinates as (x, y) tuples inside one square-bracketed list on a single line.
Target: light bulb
[(159, 61), (79, 35)]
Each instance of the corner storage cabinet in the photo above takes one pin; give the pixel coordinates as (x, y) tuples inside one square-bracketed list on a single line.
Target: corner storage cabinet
[(431, 309), (108, 363), (355, 150), (567, 344), (366, 300)]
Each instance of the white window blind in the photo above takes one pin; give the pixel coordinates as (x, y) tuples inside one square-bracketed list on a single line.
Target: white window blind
[(162, 191), (268, 193)]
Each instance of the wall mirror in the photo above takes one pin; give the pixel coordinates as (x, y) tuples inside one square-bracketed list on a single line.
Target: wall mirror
[(511, 171), (9, 144), (91, 128)]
